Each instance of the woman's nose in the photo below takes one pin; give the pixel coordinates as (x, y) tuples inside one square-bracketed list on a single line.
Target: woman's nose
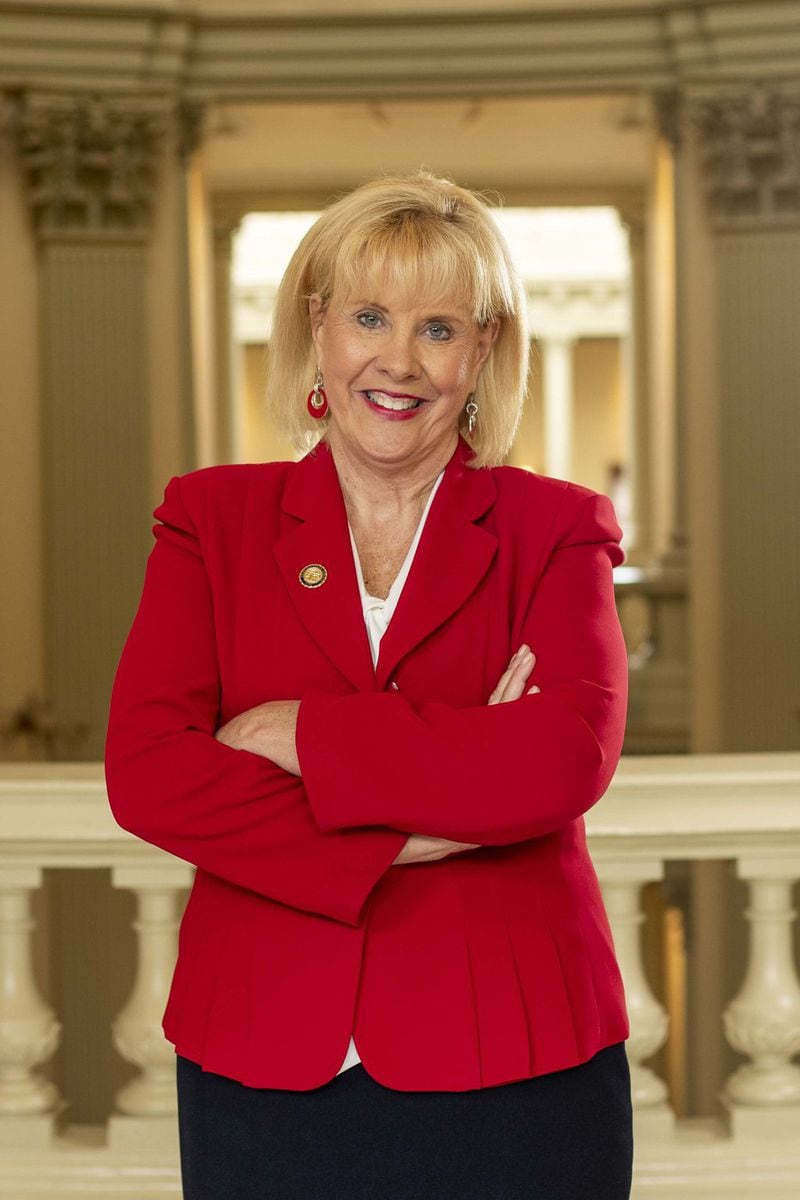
[(398, 356)]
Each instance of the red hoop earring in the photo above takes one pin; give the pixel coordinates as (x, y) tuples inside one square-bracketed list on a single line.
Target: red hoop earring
[(317, 401)]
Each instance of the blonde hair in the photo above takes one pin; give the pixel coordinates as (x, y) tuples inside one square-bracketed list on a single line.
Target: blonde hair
[(433, 239)]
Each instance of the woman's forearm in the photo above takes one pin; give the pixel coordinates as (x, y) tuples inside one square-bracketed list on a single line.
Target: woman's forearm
[(267, 730)]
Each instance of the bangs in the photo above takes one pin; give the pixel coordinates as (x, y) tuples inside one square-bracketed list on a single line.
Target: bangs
[(419, 261)]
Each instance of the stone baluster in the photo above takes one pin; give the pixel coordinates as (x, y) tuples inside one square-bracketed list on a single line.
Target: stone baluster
[(622, 881), (29, 1031), (147, 1105), (763, 1020)]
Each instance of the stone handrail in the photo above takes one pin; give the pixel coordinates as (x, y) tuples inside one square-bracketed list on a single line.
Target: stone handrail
[(719, 805)]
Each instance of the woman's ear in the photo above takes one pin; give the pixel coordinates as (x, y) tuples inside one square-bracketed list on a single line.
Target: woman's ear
[(316, 313), (486, 339)]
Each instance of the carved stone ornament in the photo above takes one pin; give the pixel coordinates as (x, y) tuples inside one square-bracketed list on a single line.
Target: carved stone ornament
[(750, 145), (89, 160), (190, 118), (667, 115)]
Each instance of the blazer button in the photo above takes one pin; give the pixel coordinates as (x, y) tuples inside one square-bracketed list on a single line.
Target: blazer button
[(394, 686)]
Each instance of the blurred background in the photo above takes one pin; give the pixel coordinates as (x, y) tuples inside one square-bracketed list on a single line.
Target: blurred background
[(159, 162)]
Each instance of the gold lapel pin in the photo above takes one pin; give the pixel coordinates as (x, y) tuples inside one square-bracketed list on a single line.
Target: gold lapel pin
[(314, 575)]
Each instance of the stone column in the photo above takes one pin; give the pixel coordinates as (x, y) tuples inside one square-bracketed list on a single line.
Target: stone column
[(90, 164), (557, 400), (738, 251), (638, 451), (748, 146), (669, 454), (109, 368), (229, 428)]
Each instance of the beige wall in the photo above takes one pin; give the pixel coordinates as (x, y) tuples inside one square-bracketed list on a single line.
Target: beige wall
[(21, 595)]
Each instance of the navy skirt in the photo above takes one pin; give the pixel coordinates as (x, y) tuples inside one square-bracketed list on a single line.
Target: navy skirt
[(561, 1136)]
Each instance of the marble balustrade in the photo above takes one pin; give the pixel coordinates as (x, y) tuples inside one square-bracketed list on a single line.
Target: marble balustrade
[(659, 810)]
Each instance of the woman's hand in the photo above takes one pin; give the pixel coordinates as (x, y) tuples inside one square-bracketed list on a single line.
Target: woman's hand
[(420, 848), (512, 681), (268, 730)]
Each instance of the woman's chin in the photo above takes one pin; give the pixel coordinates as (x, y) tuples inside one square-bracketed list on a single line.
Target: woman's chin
[(381, 439)]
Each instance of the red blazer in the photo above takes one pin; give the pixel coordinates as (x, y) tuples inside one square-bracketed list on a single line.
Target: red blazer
[(488, 966)]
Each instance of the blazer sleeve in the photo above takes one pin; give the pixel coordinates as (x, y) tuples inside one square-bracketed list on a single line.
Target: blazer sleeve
[(170, 782), (490, 774)]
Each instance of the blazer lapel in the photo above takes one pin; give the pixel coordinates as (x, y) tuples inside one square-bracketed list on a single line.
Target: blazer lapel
[(452, 558), (332, 611)]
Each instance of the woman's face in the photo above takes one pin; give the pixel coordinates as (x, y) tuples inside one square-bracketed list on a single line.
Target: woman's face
[(397, 377)]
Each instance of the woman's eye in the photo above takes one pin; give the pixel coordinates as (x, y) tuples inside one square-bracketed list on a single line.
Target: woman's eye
[(368, 319), (439, 331)]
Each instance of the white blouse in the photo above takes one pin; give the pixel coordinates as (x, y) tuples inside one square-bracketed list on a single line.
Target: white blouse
[(377, 615)]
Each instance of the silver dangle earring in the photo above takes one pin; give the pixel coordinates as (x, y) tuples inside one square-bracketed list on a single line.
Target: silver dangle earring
[(471, 410)]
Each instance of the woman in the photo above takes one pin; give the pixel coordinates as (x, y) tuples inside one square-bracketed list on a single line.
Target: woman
[(370, 695)]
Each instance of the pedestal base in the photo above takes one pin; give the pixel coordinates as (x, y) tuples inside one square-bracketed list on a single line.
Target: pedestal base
[(749, 1123), (147, 1135), (653, 1125), (34, 1131)]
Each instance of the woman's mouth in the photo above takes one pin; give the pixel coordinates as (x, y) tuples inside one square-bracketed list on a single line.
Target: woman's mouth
[(394, 406)]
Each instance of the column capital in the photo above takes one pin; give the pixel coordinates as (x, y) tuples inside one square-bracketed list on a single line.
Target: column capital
[(190, 120), (634, 219), (667, 113), (224, 227), (89, 160), (749, 141), (556, 339)]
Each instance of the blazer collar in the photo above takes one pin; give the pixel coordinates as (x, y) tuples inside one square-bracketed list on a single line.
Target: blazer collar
[(452, 557)]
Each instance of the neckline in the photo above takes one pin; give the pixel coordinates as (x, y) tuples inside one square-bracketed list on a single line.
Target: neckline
[(367, 599)]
